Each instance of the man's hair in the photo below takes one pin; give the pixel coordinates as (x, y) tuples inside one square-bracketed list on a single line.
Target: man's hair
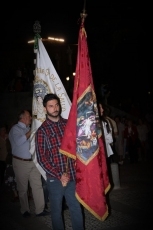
[(20, 115), (22, 112), (52, 96)]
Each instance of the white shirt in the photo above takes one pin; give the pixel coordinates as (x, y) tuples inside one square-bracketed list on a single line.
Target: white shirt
[(108, 139)]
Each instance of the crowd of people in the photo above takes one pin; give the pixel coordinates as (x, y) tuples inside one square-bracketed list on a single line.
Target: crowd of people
[(124, 139), (128, 138)]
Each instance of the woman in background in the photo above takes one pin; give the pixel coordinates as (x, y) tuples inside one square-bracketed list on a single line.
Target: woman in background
[(107, 132)]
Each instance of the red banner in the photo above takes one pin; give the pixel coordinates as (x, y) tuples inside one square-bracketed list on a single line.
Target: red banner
[(83, 137)]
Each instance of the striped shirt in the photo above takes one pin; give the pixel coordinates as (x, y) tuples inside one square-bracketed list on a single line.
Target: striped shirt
[(48, 141)]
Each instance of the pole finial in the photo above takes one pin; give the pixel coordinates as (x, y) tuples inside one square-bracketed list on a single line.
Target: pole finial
[(37, 27), (83, 14), (37, 31)]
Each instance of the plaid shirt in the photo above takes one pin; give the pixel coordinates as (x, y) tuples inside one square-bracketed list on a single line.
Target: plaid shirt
[(48, 141)]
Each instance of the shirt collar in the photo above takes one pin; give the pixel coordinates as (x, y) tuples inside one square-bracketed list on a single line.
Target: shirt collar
[(21, 124)]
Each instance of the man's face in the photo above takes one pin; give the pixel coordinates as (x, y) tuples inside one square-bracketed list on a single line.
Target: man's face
[(53, 109), (27, 118)]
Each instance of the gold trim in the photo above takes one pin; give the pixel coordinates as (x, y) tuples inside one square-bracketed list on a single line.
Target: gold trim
[(108, 188), (101, 218), (67, 154)]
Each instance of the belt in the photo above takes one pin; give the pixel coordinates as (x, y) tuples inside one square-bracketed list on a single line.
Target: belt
[(21, 159)]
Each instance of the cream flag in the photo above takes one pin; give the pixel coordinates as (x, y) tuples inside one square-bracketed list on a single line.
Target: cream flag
[(46, 81)]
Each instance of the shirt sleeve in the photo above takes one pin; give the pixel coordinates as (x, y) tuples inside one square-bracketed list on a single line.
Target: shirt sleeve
[(17, 136), (42, 156)]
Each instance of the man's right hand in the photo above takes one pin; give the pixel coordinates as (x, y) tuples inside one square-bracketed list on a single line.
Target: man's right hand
[(65, 179)]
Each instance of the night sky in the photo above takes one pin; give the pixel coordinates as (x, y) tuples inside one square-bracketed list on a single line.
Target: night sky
[(117, 40)]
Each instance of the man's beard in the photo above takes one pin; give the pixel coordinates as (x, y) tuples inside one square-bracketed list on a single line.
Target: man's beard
[(53, 115)]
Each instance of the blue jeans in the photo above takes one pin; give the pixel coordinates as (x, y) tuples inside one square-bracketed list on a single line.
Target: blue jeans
[(56, 194), (45, 189)]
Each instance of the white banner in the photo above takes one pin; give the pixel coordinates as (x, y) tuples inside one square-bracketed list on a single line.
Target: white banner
[(46, 81)]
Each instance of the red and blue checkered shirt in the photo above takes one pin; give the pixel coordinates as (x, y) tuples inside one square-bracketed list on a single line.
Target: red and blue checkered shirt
[(48, 141)]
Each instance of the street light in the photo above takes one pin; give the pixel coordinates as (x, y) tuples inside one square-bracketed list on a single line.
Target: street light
[(32, 41), (68, 78), (56, 39), (49, 38)]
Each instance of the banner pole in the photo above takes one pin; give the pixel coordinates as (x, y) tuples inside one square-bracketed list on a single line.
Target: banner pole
[(37, 31)]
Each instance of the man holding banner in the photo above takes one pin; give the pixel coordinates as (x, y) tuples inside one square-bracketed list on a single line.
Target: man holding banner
[(60, 170), (83, 140)]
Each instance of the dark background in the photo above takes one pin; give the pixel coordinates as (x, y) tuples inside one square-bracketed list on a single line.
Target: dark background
[(117, 40)]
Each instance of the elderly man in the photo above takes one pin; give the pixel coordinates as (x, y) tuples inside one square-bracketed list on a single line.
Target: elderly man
[(24, 168)]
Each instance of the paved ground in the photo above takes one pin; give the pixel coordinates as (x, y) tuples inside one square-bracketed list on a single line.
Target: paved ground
[(130, 205)]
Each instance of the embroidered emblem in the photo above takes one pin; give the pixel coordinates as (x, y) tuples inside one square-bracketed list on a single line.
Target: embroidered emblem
[(39, 91)]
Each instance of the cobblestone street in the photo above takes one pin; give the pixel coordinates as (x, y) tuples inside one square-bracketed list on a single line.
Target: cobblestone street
[(129, 205)]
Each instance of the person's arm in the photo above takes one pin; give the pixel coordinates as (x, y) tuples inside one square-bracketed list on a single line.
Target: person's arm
[(28, 134), (114, 128), (18, 136), (42, 156)]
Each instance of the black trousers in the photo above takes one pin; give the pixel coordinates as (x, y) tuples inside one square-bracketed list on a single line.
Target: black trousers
[(2, 171)]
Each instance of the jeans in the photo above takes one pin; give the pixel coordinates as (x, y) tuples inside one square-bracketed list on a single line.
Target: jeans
[(45, 189), (56, 194)]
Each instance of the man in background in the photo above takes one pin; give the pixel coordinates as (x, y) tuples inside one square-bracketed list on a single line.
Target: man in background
[(24, 168)]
